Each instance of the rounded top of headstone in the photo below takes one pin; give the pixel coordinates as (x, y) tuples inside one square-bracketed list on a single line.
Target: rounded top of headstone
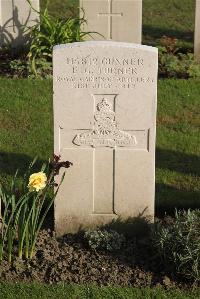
[(105, 44)]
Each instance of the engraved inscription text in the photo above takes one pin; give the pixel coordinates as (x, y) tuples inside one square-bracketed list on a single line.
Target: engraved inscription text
[(104, 72)]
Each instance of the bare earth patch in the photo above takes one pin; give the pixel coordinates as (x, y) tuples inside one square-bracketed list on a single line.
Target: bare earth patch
[(69, 259)]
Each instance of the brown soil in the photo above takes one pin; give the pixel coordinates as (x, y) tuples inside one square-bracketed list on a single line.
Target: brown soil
[(69, 259)]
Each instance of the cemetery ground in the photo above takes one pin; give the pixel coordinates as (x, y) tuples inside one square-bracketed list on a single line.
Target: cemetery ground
[(26, 117), (26, 129)]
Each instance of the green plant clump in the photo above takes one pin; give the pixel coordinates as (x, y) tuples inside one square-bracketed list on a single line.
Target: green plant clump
[(20, 68), (178, 66), (109, 240), (178, 244), (51, 31), (174, 63)]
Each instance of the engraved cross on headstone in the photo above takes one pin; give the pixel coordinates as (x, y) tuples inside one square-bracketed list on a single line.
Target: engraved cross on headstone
[(110, 14), (105, 140)]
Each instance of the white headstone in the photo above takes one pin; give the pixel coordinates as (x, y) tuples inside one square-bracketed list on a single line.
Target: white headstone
[(15, 15), (105, 124), (117, 20), (197, 31)]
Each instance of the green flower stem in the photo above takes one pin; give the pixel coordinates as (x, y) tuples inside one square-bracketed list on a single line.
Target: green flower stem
[(39, 224), (12, 220), (10, 243), (25, 227), (1, 250)]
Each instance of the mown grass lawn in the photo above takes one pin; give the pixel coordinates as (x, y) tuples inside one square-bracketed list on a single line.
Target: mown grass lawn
[(174, 18), (63, 291), (26, 131), (177, 147)]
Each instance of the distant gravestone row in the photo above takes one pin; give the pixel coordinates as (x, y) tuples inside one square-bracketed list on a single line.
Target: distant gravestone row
[(117, 20), (15, 17)]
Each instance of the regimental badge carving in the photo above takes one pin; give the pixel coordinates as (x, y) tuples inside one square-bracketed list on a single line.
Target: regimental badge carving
[(106, 132)]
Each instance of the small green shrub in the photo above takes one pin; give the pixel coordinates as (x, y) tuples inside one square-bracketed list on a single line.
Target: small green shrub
[(178, 244), (109, 240), (178, 66), (173, 63), (43, 67), (20, 68), (49, 32)]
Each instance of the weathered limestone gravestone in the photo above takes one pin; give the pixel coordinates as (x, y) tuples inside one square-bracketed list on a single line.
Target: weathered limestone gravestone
[(197, 31), (14, 14), (117, 20), (104, 123)]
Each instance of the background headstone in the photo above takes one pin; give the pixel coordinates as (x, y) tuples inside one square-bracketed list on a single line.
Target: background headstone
[(104, 123), (14, 14), (197, 31), (117, 20)]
